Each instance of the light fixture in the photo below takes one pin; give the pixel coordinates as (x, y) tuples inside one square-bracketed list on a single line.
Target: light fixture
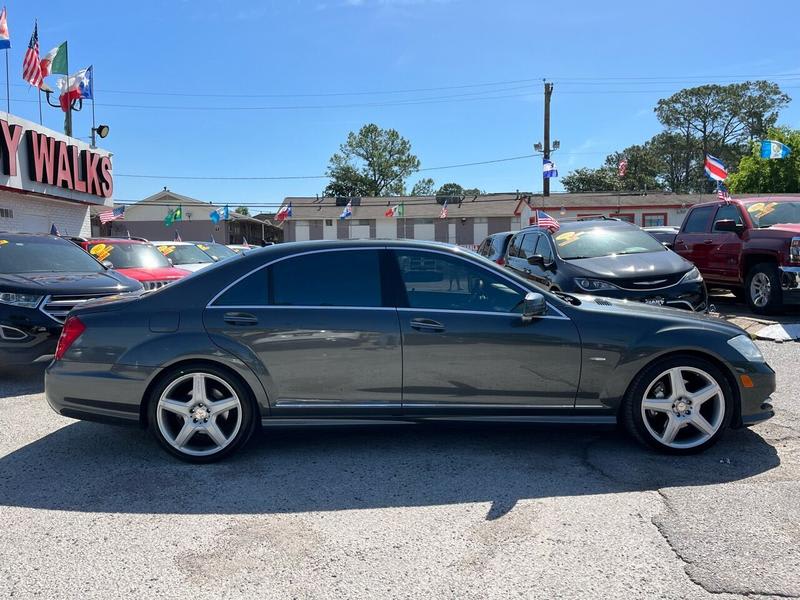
[(556, 144), (537, 146), (102, 130)]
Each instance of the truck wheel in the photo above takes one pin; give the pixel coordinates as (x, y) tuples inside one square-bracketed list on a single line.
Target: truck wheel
[(763, 289)]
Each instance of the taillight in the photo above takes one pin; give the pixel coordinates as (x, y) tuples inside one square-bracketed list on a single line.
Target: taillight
[(501, 261), (73, 328), (794, 250)]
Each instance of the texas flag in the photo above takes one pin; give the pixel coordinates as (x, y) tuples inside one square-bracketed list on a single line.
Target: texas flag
[(5, 39), (284, 213), (75, 87), (715, 169)]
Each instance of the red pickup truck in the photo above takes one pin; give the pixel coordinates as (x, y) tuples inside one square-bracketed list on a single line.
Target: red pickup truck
[(751, 247)]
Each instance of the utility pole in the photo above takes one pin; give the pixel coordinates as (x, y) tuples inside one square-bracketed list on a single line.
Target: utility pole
[(548, 92)]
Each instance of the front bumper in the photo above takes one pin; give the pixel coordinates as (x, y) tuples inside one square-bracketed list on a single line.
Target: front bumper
[(755, 401), (690, 296), (790, 284), (26, 336)]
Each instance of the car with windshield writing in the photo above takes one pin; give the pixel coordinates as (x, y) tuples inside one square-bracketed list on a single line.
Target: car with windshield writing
[(42, 278), (607, 257), (751, 247), (216, 251), (185, 255), (136, 259)]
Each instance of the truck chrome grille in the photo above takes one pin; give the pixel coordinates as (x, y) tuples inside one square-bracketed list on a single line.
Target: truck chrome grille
[(154, 285)]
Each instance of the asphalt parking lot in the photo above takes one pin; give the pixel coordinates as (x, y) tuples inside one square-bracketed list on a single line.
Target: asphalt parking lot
[(92, 511)]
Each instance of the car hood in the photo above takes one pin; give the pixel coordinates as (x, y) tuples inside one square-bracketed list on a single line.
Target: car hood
[(792, 228), (105, 282), (672, 316), (625, 266), (156, 274)]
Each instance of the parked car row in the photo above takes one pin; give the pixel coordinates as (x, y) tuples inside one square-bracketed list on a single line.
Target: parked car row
[(750, 247), (43, 277)]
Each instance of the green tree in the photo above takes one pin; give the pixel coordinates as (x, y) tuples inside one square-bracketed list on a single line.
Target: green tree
[(590, 180), (643, 172), (756, 174), (450, 190), (372, 162), (423, 187), (242, 210)]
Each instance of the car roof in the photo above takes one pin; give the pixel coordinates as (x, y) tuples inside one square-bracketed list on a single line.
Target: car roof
[(43, 237), (103, 240), (587, 224), (170, 243)]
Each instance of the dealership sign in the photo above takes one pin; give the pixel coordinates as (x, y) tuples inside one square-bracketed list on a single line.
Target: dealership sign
[(37, 159)]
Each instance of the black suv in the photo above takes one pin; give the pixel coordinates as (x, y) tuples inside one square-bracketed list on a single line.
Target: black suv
[(607, 258), (494, 247), (42, 277)]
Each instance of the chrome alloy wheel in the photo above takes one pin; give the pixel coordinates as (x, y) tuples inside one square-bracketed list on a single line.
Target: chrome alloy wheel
[(199, 414), (760, 290), (683, 407)]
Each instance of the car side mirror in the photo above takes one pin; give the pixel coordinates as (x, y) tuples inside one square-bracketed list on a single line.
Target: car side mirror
[(667, 245), (728, 225), (537, 260), (533, 306), (108, 264)]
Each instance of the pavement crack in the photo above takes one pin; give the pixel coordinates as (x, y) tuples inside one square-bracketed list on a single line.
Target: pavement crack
[(687, 563)]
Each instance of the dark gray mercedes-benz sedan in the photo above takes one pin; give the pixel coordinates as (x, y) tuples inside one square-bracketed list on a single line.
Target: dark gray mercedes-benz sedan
[(378, 331)]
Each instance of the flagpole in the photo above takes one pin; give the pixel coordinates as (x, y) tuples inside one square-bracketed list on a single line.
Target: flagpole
[(40, 106), (8, 87), (68, 116), (94, 127)]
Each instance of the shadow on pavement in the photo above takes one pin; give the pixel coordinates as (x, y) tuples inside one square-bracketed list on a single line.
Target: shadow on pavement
[(21, 380), (89, 467)]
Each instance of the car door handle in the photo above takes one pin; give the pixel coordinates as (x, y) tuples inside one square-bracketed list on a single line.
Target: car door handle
[(240, 318), (426, 325), (708, 241)]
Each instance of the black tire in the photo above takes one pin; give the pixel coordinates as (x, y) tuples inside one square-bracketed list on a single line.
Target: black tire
[(775, 298), (247, 406), (631, 409)]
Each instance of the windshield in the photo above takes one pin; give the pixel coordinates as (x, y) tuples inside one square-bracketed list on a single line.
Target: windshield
[(765, 214), (45, 256), (184, 254), (129, 256), (216, 251), (604, 241)]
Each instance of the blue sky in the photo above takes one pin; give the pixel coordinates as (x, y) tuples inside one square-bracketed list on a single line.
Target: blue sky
[(288, 79)]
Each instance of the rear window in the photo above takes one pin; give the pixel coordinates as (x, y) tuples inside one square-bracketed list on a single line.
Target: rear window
[(45, 256)]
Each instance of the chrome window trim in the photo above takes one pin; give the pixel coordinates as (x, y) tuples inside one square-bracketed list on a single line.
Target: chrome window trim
[(480, 312), (460, 254), (298, 307)]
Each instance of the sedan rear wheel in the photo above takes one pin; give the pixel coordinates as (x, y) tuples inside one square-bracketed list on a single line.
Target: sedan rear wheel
[(200, 415), (679, 405)]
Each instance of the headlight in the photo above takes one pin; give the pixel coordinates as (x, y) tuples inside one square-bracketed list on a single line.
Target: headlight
[(746, 347), (692, 276), (25, 300), (594, 285)]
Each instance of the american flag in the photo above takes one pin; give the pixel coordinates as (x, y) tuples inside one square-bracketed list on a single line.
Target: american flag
[(443, 214), (112, 215), (722, 192), (622, 168), (31, 68), (542, 219)]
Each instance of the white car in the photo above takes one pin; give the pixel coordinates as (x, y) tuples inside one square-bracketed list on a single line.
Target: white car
[(185, 255)]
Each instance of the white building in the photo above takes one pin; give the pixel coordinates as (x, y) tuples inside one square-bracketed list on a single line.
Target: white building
[(47, 178)]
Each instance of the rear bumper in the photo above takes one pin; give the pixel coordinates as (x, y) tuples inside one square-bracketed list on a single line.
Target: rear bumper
[(97, 392)]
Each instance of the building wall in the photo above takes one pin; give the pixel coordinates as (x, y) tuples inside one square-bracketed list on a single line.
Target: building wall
[(36, 215), (156, 230)]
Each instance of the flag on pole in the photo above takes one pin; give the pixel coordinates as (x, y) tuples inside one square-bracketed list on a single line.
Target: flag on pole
[(244, 242), (715, 169), (75, 87), (112, 214), (722, 193), (622, 168), (128, 231), (542, 219), (220, 213), (54, 229), (773, 149), (173, 215), (549, 168), (5, 39), (398, 210), (348, 211), (177, 237), (31, 69), (213, 241), (55, 61), (284, 213), (443, 214)]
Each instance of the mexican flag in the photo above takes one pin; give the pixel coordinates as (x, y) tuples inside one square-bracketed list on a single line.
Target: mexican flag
[(55, 61), (395, 211)]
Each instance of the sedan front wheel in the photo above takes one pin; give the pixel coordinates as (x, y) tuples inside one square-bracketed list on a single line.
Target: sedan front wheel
[(679, 405)]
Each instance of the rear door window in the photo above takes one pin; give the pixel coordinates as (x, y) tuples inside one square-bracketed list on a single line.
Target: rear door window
[(697, 220), (513, 247)]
